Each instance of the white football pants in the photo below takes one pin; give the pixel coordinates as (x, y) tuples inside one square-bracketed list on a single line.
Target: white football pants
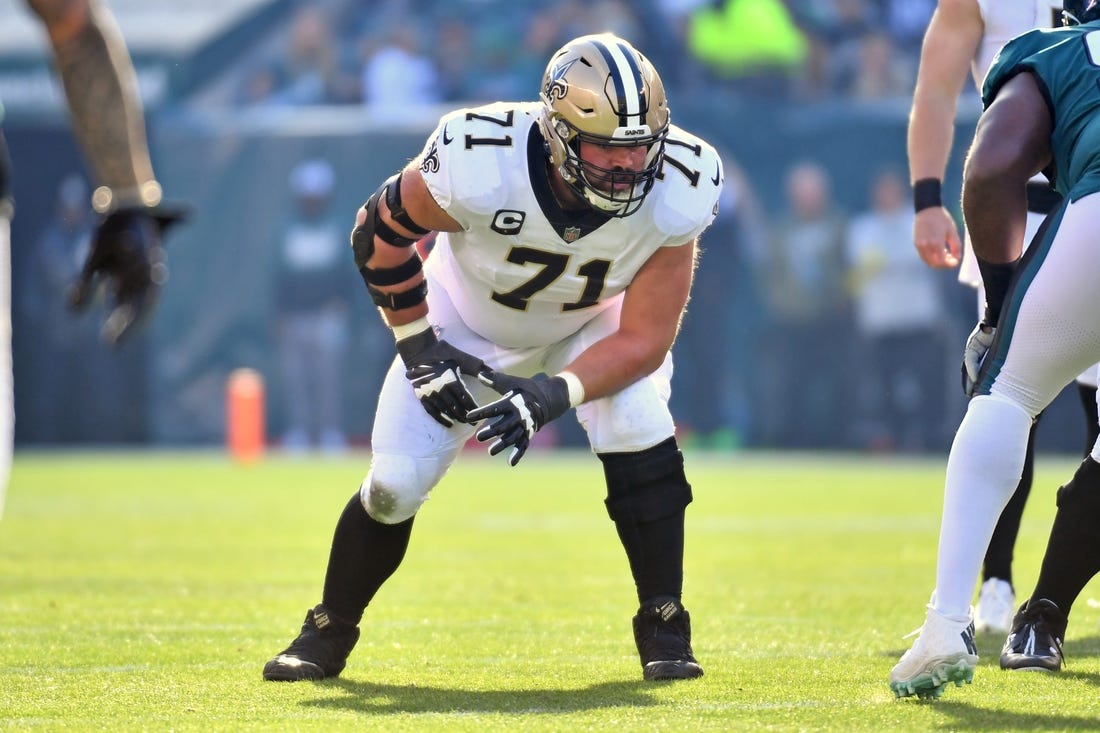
[(1049, 334), (412, 452)]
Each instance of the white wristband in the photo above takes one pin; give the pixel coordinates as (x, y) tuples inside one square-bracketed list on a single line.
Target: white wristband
[(411, 329), (576, 389)]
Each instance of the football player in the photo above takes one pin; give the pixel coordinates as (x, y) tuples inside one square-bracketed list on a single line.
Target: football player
[(106, 112), (1041, 109), (962, 38), (566, 247)]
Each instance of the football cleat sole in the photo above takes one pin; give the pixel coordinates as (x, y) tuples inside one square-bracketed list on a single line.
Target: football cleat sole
[(930, 685), (291, 669), (671, 670)]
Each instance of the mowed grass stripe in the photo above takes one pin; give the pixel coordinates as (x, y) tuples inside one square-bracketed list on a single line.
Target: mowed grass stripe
[(145, 591)]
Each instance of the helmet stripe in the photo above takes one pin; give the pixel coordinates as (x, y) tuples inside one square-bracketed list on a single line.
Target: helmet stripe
[(627, 78)]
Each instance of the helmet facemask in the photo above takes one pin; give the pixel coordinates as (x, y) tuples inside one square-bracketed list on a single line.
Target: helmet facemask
[(613, 191), (600, 90)]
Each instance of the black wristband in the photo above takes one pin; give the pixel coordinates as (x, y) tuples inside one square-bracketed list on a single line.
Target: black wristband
[(556, 390), (996, 277), (410, 347), (927, 194)]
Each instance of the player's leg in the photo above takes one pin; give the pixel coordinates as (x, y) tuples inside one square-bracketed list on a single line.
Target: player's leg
[(1073, 556), (410, 454), (632, 433), (1071, 560), (997, 596), (1046, 337), (1086, 392)]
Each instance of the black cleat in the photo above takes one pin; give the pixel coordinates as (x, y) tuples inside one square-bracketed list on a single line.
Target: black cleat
[(320, 651), (1035, 643), (662, 631)]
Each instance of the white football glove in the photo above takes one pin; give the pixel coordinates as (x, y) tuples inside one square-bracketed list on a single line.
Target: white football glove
[(977, 345)]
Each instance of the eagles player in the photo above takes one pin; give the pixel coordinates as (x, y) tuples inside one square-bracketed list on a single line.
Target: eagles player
[(1042, 100), (963, 37), (105, 109), (566, 247)]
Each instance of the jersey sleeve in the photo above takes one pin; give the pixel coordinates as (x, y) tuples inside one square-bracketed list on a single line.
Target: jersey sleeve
[(1014, 57), (691, 182), (463, 158)]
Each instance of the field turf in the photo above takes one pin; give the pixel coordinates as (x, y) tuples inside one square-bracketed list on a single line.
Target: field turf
[(145, 591)]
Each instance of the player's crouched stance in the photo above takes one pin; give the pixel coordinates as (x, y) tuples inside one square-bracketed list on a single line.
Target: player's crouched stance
[(566, 247), (1038, 332)]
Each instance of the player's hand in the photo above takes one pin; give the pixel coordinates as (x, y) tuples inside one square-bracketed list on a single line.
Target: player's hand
[(977, 346), (526, 406), (936, 237), (435, 370), (127, 256)]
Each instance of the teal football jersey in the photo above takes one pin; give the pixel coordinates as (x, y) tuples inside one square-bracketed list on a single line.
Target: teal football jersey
[(1066, 64)]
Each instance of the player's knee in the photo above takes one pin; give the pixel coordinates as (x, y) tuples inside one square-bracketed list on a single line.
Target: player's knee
[(1082, 492), (394, 489), (647, 485)]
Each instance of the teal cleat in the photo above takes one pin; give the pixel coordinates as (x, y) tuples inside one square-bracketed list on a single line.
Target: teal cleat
[(943, 653)]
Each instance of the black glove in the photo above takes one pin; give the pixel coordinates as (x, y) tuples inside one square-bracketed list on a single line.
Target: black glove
[(526, 405), (127, 255), (435, 367)]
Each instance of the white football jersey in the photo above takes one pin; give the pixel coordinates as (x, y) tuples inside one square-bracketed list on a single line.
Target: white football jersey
[(1006, 19), (523, 272)]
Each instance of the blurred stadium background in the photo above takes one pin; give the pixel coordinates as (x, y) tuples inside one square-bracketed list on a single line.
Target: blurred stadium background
[(239, 92)]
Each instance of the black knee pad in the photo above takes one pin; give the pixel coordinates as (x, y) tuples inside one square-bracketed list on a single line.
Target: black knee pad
[(1082, 492), (648, 485)]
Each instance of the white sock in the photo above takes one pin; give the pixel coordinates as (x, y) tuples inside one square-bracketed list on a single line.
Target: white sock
[(987, 459)]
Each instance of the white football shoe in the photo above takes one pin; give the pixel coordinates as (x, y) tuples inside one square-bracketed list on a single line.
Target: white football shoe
[(996, 607), (944, 652)]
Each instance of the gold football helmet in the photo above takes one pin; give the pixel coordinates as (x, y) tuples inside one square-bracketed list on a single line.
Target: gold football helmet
[(600, 89)]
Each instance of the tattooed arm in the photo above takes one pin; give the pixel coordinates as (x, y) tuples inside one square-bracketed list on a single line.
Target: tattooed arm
[(102, 91), (126, 253)]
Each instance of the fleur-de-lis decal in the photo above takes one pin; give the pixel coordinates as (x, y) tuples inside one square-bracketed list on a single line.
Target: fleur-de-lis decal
[(556, 86)]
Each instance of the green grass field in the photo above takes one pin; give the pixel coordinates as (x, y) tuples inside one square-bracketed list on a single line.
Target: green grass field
[(146, 591)]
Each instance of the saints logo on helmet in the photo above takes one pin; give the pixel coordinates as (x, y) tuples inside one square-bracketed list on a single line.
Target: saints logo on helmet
[(599, 89), (1078, 12)]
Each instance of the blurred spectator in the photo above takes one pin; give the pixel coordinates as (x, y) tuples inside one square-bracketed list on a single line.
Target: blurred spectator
[(720, 323), (311, 297), (845, 32), (454, 53), (63, 339), (899, 322), (666, 32), (309, 72), (882, 72), (754, 43), (398, 77), (802, 389), (618, 17), (906, 22), (73, 367), (510, 69)]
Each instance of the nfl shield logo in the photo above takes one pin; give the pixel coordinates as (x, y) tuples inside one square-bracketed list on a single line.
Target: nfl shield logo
[(571, 234)]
